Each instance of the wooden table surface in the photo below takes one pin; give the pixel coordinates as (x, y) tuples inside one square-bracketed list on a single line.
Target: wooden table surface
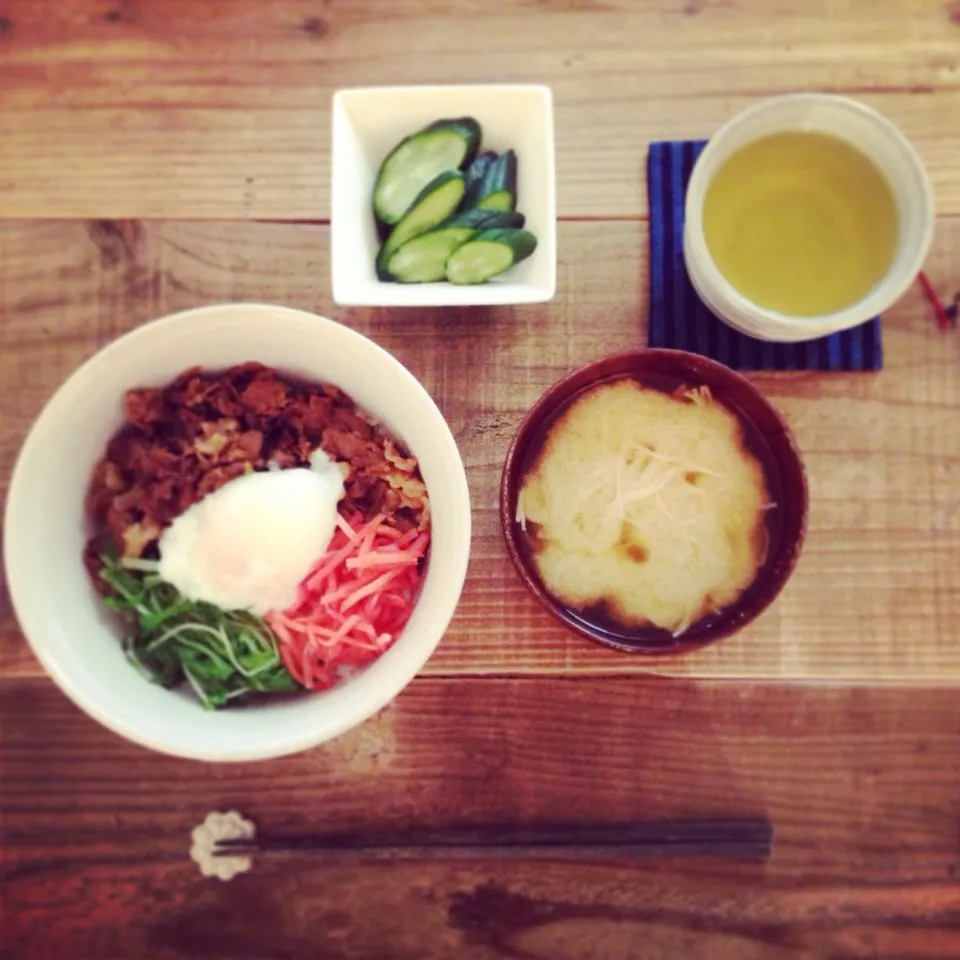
[(155, 156)]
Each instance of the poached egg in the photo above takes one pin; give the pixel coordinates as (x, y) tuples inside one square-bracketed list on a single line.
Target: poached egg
[(248, 544)]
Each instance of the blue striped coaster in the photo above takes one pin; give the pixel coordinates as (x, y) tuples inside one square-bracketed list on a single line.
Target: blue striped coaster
[(679, 319)]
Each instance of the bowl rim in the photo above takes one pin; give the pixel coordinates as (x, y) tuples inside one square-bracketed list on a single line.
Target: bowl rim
[(878, 297), (550, 404), (281, 744)]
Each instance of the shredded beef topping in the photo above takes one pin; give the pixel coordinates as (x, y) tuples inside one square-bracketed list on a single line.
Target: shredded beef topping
[(185, 440)]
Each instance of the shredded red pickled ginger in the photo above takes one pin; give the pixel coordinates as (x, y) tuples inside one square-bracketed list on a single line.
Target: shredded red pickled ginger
[(353, 603)]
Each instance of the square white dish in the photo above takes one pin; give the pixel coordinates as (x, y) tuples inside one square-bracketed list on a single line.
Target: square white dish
[(369, 121)]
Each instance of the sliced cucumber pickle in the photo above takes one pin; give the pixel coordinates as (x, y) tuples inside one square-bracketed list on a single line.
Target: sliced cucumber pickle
[(497, 188), (434, 204), (419, 159), (489, 254), (446, 210), (424, 258)]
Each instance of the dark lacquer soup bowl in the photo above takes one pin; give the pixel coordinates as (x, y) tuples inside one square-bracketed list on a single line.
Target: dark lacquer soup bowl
[(764, 433)]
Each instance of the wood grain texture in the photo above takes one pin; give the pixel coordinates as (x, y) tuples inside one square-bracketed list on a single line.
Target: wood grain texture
[(875, 595), (861, 786), (221, 110), (116, 113)]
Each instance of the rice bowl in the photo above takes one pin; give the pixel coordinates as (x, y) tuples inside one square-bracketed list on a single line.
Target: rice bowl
[(76, 640)]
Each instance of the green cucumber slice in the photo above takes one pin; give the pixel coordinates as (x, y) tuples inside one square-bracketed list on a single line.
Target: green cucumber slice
[(488, 254), (476, 171), (502, 200), (423, 259), (497, 189), (433, 205), (482, 219), (418, 159)]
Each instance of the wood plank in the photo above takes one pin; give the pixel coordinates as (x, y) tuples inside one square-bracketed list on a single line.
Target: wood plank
[(860, 785), (170, 111), (875, 595)]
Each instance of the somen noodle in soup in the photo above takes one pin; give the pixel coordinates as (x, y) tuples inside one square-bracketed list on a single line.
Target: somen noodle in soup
[(647, 505)]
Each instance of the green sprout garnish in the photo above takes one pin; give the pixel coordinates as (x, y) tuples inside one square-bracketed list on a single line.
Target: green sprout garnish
[(221, 654)]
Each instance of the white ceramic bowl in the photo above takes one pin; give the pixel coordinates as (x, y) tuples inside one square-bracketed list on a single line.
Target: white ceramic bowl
[(77, 640), (874, 136), (369, 121)]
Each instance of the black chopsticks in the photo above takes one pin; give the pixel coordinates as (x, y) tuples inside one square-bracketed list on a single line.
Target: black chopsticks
[(739, 839)]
